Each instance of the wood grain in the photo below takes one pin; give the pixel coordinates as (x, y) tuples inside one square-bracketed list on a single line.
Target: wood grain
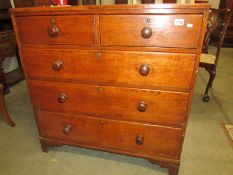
[(158, 141), (125, 30), (110, 102), (78, 30), (114, 78), (166, 69)]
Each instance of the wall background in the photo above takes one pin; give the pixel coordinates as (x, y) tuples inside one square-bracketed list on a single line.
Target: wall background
[(215, 3)]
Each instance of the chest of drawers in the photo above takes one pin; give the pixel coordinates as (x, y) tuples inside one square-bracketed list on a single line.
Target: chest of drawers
[(114, 78)]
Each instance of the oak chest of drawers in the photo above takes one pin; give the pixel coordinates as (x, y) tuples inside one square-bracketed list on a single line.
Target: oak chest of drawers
[(114, 78)]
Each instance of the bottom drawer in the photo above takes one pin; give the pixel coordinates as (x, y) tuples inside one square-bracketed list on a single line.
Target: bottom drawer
[(128, 137)]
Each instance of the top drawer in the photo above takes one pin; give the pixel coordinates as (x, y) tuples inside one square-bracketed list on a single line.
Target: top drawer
[(69, 29), (151, 30)]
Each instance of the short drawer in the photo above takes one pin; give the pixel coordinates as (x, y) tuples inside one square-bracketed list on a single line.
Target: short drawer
[(128, 137), (156, 70), (150, 106), (181, 31), (79, 30)]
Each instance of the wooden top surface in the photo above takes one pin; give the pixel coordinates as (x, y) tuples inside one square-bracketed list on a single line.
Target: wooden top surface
[(111, 9)]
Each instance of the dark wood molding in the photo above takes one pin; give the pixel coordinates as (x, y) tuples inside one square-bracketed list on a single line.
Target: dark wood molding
[(228, 40), (22, 3), (169, 1), (201, 1), (121, 1)]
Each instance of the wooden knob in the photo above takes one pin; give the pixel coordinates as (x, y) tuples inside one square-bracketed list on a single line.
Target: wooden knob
[(139, 140), (146, 32), (142, 106), (62, 98), (144, 69), (53, 31), (67, 129), (57, 65)]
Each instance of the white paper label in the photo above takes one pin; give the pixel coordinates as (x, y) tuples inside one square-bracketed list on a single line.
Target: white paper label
[(179, 22), (190, 25)]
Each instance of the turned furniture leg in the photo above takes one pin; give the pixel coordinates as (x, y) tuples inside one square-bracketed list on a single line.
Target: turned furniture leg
[(212, 73), (212, 77), (3, 107), (3, 77), (173, 169)]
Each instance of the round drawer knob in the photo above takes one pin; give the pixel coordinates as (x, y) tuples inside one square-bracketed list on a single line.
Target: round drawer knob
[(146, 32), (142, 106), (53, 31), (144, 69), (57, 65), (62, 98), (139, 140), (67, 129)]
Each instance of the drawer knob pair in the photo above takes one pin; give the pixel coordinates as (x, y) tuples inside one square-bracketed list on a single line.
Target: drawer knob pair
[(146, 32), (139, 139), (57, 65), (144, 69), (67, 129)]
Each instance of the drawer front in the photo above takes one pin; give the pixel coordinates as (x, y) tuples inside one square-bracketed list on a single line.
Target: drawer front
[(138, 138), (151, 30), (134, 68), (69, 29), (110, 102)]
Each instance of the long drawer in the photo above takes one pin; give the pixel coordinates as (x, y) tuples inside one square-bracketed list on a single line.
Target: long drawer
[(171, 70), (137, 138), (149, 106), (71, 29), (171, 30)]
